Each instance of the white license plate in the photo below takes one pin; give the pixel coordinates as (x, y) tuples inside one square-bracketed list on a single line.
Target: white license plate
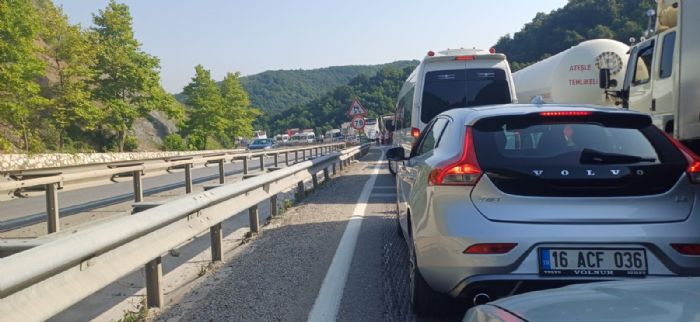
[(592, 262)]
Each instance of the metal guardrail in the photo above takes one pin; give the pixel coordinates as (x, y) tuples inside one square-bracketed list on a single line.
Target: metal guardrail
[(39, 283), (138, 168)]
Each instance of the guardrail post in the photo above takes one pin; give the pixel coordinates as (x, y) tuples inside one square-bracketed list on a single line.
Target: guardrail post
[(300, 190), (341, 164), (314, 179), (276, 156), (52, 207), (253, 215), (334, 172), (273, 206), (262, 162), (286, 158), (303, 154), (222, 174), (296, 156), (138, 186), (326, 175), (245, 165), (217, 249), (188, 178), (154, 274)]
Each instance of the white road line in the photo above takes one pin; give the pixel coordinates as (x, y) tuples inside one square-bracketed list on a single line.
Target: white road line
[(382, 195), (328, 300)]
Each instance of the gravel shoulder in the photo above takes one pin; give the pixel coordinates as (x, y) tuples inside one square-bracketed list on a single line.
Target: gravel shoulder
[(276, 276)]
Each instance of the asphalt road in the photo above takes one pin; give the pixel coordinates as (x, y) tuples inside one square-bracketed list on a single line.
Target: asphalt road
[(25, 211), (284, 270)]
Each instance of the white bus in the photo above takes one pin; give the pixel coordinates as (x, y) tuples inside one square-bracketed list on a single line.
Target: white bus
[(449, 79)]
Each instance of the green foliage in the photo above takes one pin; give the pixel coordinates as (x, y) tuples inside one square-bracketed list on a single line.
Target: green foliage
[(174, 142), (217, 114), (71, 58), (377, 93), (206, 108), (579, 20), (278, 90), (19, 67), (237, 107), (131, 144), (126, 79)]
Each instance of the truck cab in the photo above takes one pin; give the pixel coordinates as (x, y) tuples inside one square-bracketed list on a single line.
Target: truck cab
[(649, 80), (663, 73)]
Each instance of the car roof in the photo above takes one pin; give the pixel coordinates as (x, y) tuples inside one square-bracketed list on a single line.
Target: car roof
[(473, 114)]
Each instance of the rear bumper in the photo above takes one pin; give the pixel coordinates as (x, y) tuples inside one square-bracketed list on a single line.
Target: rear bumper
[(451, 224), (497, 286)]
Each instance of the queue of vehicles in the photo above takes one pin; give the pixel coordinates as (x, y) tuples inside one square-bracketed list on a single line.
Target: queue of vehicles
[(496, 199)]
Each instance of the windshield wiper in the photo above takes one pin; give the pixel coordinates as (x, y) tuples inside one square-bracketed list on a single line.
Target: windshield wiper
[(590, 156)]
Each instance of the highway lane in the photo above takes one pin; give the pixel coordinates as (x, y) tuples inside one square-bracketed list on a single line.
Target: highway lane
[(25, 211)]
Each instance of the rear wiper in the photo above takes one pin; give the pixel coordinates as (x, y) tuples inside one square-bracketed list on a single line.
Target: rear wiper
[(590, 156)]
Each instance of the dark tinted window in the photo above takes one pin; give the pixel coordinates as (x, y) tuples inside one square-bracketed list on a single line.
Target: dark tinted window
[(448, 89), (431, 139), (576, 158), (666, 67)]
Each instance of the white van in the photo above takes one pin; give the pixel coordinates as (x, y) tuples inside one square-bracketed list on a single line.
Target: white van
[(449, 79)]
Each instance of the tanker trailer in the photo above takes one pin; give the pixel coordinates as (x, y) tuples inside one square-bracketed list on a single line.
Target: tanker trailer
[(571, 76)]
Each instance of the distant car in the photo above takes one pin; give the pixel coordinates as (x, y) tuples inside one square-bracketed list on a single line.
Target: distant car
[(260, 144), (674, 299), (504, 199)]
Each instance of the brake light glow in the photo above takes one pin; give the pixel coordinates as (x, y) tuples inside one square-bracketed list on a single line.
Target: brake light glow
[(693, 159), (687, 249), (492, 50), (431, 53), (490, 248), (463, 172), (464, 58), (415, 132), (566, 113)]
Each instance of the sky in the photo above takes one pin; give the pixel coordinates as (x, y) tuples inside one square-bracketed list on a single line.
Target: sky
[(252, 36)]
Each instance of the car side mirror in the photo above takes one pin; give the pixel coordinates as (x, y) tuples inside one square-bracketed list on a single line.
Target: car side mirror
[(604, 78), (395, 154)]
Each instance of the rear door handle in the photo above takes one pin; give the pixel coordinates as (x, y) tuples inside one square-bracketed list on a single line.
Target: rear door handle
[(653, 104)]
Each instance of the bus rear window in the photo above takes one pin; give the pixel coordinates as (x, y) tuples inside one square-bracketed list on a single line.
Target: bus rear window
[(448, 89)]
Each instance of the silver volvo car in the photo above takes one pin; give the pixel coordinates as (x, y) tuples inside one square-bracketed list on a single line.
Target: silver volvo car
[(501, 200)]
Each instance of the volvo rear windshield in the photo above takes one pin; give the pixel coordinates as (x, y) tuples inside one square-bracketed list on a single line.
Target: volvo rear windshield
[(448, 89), (579, 156)]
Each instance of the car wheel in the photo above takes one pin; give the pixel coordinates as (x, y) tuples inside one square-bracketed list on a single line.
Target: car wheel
[(392, 167), (426, 301), (399, 231)]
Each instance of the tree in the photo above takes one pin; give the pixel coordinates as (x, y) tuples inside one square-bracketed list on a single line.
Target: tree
[(19, 67), (206, 115), (237, 107), (71, 58), (126, 79)]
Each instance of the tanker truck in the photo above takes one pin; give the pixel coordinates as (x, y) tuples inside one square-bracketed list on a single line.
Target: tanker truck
[(663, 73), (571, 76)]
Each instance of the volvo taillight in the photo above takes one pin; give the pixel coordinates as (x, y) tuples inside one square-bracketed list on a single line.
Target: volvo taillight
[(463, 172), (693, 159)]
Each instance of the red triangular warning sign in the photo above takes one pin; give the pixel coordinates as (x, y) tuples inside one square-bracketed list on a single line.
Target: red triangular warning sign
[(356, 109)]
